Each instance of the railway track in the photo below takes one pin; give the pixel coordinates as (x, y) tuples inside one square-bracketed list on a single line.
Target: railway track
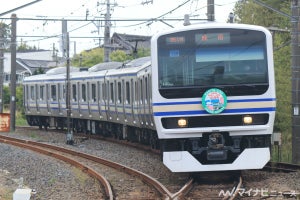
[(64, 154), (281, 167), (219, 185), (189, 188), (68, 155)]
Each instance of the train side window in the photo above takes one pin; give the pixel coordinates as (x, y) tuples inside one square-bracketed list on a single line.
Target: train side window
[(150, 89), (128, 100), (94, 93), (64, 91), (146, 90), (42, 92), (141, 91), (119, 93), (112, 99), (26, 93), (83, 92), (32, 92), (135, 91), (53, 92), (74, 92), (59, 91), (104, 98), (36, 92)]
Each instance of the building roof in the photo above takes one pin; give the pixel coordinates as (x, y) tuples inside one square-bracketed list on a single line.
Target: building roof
[(28, 62), (130, 43)]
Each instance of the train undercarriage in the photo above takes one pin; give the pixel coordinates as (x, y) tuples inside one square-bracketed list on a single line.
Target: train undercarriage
[(211, 148), (107, 129)]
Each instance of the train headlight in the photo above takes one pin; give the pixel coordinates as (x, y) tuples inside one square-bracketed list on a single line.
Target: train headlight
[(247, 119), (182, 122)]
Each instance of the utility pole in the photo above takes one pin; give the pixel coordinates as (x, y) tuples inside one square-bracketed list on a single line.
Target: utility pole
[(107, 33), (295, 82), (211, 10), (13, 48), (66, 54), (2, 29)]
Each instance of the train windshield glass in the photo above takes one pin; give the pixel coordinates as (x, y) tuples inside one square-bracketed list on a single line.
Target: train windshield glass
[(213, 57)]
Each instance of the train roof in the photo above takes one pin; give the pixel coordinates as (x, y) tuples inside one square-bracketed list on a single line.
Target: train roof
[(105, 66), (98, 71), (61, 70), (137, 62)]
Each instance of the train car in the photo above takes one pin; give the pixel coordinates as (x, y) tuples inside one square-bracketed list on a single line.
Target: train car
[(206, 98), (213, 96)]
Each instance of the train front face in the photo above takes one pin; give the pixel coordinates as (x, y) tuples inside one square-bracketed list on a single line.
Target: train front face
[(214, 97)]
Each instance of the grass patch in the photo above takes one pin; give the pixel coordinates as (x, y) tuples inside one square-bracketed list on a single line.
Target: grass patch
[(6, 194), (80, 176)]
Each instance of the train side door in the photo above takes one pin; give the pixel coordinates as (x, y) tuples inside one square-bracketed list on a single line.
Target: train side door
[(135, 104), (111, 100), (37, 99), (141, 102), (90, 100), (75, 99), (59, 97), (99, 100), (123, 100), (106, 99), (26, 96), (93, 96), (42, 101), (147, 100), (150, 101), (48, 97)]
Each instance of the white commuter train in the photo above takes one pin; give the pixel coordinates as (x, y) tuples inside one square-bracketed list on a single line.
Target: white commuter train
[(206, 98)]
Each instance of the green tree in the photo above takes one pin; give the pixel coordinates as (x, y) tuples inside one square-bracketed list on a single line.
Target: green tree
[(95, 56), (6, 95), (119, 56), (249, 12), (5, 33), (39, 71), (88, 58)]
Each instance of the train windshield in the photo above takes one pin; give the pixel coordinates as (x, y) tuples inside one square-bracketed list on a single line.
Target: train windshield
[(234, 60)]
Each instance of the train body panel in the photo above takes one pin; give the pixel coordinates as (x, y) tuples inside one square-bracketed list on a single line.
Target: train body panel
[(206, 98), (213, 96)]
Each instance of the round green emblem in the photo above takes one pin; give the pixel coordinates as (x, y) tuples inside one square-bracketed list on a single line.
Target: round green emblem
[(214, 101)]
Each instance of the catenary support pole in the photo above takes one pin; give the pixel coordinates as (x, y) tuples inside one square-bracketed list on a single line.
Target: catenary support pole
[(13, 47), (295, 68)]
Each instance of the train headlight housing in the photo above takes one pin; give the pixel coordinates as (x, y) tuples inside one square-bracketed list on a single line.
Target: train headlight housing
[(182, 122), (247, 119)]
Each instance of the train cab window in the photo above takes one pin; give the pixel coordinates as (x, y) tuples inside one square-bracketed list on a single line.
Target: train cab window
[(53, 92), (94, 92), (128, 93), (119, 92), (83, 92), (32, 92), (74, 92), (42, 92)]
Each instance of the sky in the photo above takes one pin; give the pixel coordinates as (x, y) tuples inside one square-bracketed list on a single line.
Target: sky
[(45, 10)]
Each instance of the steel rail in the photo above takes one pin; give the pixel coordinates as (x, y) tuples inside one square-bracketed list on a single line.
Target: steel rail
[(184, 190), (236, 190), (146, 178), (281, 167), (84, 168)]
